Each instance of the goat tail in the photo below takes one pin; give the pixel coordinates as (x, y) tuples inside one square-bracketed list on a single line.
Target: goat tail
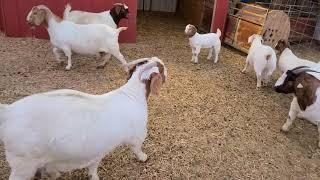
[(122, 29), (269, 54), (66, 11), (268, 57), (218, 32)]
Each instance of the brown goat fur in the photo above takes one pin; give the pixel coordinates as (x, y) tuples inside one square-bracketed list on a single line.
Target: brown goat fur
[(41, 15), (282, 45), (307, 95), (119, 12), (191, 31), (153, 85)]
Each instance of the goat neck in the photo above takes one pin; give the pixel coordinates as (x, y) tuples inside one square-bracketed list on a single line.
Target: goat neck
[(135, 88), (50, 19)]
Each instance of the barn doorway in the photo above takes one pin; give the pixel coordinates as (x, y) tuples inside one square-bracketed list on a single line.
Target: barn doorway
[(196, 12)]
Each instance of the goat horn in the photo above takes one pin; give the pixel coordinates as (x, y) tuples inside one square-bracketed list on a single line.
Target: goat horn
[(149, 65), (120, 4), (133, 63), (301, 69)]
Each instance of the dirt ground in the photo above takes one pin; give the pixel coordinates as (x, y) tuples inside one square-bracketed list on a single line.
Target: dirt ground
[(209, 121)]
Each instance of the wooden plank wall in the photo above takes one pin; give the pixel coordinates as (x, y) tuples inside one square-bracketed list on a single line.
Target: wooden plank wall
[(192, 10)]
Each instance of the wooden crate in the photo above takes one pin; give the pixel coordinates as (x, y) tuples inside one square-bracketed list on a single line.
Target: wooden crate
[(244, 31), (245, 22)]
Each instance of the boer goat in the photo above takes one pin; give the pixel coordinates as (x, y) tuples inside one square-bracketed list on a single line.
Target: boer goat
[(64, 130), (304, 83), (198, 41), (66, 36)]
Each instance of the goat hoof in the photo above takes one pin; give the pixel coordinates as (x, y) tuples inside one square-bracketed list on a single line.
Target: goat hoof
[(94, 177), (143, 157), (68, 68), (284, 129), (126, 69), (100, 66), (38, 174)]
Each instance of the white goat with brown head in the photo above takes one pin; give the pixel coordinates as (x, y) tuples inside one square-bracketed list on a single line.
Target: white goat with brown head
[(111, 17), (304, 83), (68, 37), (198, 41), (64, 130)]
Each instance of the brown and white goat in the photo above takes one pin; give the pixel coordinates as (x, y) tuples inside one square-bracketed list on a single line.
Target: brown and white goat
[(111, 17), (68, 37), (304, 83)]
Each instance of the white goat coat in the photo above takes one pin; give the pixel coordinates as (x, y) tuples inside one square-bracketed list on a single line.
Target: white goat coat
[(257, 58), (288, 60), (311, 113), (90, 18), (83, 39), (208, 40), (67, 129)]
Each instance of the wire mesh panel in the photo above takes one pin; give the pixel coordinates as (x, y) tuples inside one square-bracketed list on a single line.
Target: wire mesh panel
[(304, 19)]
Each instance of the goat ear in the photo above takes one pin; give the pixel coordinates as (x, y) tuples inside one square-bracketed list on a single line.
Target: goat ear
[(118, 9), (250, 39), (146, 74), (287, 44), (156, 83)]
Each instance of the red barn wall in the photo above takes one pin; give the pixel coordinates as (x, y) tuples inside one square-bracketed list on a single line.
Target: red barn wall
[(219, 17), (14, 12), (1, 17)]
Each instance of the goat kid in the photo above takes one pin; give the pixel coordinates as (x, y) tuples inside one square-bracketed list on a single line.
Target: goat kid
[(288, 60), (304, 83), (198, 41), (262, 58), (64, 130), (68, 37), (111, 18)]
